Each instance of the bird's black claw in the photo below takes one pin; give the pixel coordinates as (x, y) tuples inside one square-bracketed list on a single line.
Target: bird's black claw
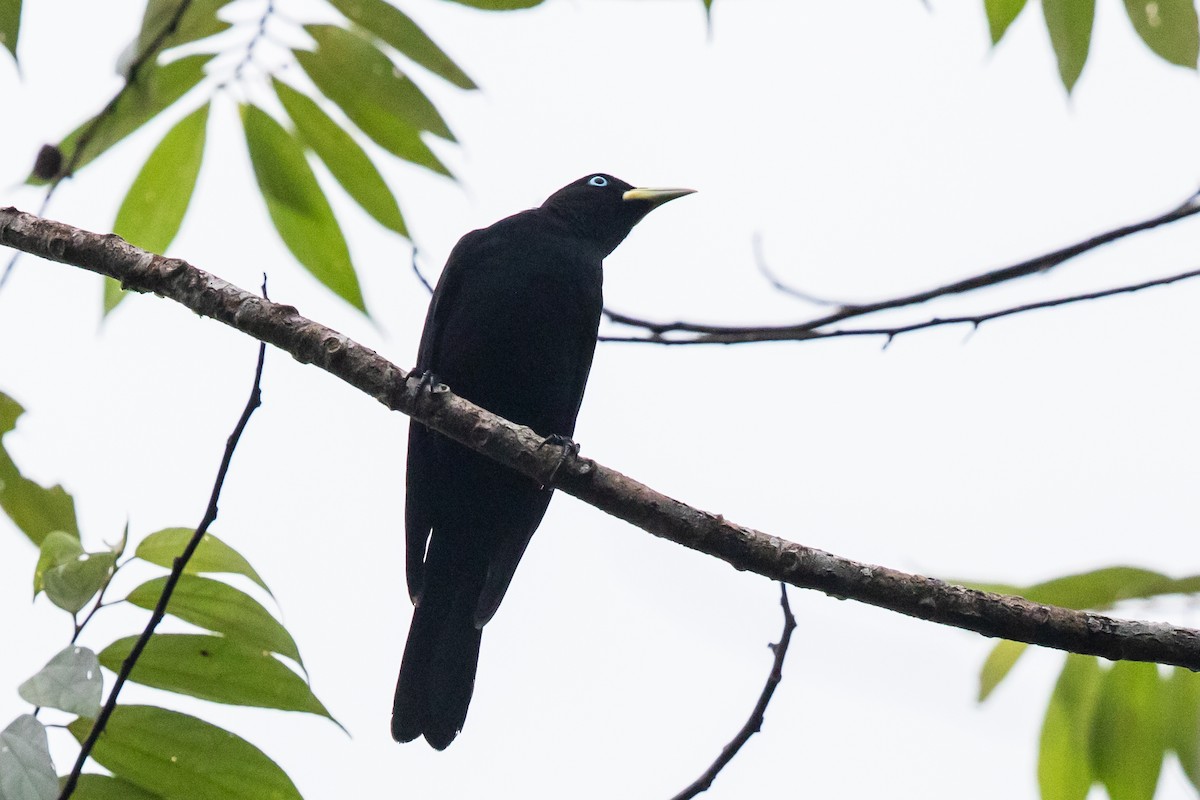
[(569, 447)]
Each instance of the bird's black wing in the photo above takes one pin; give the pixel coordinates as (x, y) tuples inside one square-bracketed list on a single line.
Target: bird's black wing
[(423, 476)]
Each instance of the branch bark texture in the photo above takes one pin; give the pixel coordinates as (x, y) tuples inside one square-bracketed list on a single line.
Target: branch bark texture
[(525, 451)]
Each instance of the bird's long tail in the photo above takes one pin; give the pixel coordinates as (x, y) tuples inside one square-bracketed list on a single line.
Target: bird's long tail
[(437, 674)]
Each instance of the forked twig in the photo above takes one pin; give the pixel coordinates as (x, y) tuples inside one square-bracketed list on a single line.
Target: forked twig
[(754, 723)]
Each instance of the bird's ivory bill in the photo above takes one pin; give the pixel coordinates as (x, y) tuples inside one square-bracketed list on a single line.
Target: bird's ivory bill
[(656, 196)]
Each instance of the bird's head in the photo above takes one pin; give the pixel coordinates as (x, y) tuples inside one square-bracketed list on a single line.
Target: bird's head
[(604, 208)]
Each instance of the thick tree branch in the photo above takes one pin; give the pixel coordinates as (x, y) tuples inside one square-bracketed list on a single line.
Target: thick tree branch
[(523, 450), (754, 724), (696, 333)]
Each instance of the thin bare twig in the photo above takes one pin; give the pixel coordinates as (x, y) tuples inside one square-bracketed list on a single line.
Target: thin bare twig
[(760, 261), (810, 329), (974, 320), (979, 319), (254, 40), (160, 609), (755, 722), (416, 268)]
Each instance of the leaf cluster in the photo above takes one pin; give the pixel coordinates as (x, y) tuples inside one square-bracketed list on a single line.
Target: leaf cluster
[(1168, 27), (357, 96), (242, 656)]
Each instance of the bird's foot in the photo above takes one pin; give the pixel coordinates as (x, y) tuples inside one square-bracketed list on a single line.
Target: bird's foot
[(425, 381), (569, 449), (420, 388)]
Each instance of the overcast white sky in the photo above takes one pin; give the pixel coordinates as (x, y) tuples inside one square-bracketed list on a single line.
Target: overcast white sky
[(878, 148)]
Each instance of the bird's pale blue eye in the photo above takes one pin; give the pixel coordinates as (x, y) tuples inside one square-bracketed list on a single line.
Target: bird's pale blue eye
[(598, 180)]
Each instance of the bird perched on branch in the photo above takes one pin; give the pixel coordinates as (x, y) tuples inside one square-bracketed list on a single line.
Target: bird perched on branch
[(512, 328)]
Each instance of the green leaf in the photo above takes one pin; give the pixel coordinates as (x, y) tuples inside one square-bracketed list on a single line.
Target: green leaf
[(1064, 770), (156, 89), (180, 757), (212, 555), (92, 786), (34, 509), (10, 412), (217, 669), (1070, 25), (199, 21), (1168, 27), (1128, 740), (1105, 587), (298, 207), (1000, 14), (71, 585), (69, 576), (348, 162), (366, 85), (1183, 721), (500, 5), (998, 664), (397, 29), (154, 207), (57, 548), (376, 79), (10, 25), (26, 771), (70, 682), (1098, 589), (222, 609)]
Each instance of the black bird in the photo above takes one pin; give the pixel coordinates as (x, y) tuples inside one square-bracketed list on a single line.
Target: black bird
[(511, 327)]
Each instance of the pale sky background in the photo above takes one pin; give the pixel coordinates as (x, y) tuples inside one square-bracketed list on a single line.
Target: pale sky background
[(879, 148)]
